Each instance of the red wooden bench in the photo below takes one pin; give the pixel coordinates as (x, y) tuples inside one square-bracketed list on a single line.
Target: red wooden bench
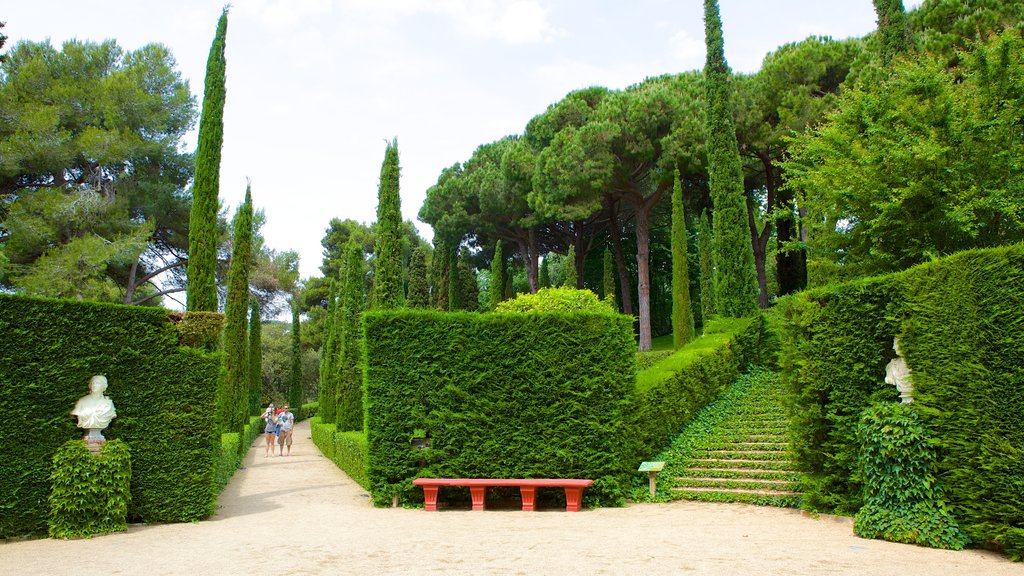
[(527, 489)]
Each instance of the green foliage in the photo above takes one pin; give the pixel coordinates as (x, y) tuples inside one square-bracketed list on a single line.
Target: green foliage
[(228, 459), (500, 396), (545, 276), (199, 329), (556, 300), (202, 248), (232, 398), (902, 501), (454, 284), (469, 293), (608, 277), (347, 450), (735, 280), (327, 394), (961, 329), (89, 492), (164, 396), (496, 290), (419, 284), (254, 377), (708, 301), (349, 369), (569, 264), (387, 276), (892, 28), (682, 314), (309, 410), (295, 374)]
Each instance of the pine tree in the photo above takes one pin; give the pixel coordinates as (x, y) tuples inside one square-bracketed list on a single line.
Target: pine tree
[(469, 292), (295, 377), (202, 236), (496, 290), (569, 267), (735, 276), (545, 275), (892, 28), (419, 290), (707, 269), (608, 279), (387, 279), (232, 402), (682, 314), (255, 359), (350, 389)]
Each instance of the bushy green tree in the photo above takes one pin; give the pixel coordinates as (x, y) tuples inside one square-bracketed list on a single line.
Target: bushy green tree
[(232, 404), (349, 366), (202, 261), (735, 278), (496, 289), (295, 374), (387, 276), (682, 314), (255, 360), (419, 284), (705, 253)]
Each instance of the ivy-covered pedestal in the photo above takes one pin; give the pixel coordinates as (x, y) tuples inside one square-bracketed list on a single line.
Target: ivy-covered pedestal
[(89, 491)]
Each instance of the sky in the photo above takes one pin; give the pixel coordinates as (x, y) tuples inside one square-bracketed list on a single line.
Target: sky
[(316, 88)]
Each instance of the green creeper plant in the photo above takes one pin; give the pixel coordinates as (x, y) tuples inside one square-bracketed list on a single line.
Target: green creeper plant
[(682, 314), (202, 249), (735, 278), (89, 493)]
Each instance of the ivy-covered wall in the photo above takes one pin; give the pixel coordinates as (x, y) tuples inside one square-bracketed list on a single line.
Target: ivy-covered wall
[(163, 393), (506, 395), (961, 326)]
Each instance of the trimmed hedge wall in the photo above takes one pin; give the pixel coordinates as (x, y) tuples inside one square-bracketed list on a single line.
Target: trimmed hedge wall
[(164, 395), (671, 392), (961, 326), (504, 395)]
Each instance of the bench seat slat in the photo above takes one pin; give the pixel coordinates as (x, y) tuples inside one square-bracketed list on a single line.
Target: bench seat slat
[(535, 482)]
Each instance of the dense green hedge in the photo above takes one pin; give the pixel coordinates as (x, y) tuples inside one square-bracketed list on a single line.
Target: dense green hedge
[(350, 450), (164, 396), (961, 326), (505, 395), (671, 392)]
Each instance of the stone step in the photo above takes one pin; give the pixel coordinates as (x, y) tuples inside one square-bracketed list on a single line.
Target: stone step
[(737, 483), (739, 491), (755, 446), (783, 465), (756, 455), (757, 473)]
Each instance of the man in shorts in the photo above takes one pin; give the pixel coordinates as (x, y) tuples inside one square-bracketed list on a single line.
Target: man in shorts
[(285, 421)]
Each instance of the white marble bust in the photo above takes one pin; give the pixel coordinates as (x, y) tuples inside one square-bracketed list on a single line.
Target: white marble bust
[(897, 374), (94, 410)]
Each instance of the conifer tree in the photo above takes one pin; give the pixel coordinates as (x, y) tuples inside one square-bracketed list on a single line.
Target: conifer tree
[(569, 267), (255, 359), (350, 389), (469, 292), (439, 275), (496, 290), (202, 236), (682, 314), (326, 395), (295, 376), (609, 278), (387, 276), (892, 28), (454, 295), (419, 290), (707, 269), (735, 276), (545, 275), (232, 404)]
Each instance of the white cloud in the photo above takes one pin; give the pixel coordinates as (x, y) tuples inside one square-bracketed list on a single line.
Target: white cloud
[(686, 50), (509, 21)]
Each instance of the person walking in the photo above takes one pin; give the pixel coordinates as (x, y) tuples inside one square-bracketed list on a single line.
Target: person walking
[(286, 422), (270, 417)]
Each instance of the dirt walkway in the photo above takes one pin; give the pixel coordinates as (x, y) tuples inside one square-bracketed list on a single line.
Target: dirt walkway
[(301, 515)]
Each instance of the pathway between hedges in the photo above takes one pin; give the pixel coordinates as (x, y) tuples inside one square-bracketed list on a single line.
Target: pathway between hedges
[(301, 515)]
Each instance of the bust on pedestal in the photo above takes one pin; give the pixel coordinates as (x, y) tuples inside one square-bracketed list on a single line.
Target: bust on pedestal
[(94, 412), (897, 374)]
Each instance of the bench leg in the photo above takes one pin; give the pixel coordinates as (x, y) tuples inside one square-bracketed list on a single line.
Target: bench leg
[(477, 494), (529, 494), (573, 499), (430, 498)]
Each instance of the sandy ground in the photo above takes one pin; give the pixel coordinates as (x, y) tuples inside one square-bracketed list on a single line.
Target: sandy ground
[(301, 515)]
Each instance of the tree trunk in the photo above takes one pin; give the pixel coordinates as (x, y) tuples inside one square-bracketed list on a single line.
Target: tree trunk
[(643, 276), (620, 258), (528, 252)]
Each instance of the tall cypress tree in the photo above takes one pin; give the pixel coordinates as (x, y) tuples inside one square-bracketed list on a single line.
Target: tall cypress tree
[(705, 253), (350, 382), (295, 376), (569, 268), (232, 402), (545, 274), (439, 275), (735, 276), (454, 292), (387, 278), (496, 290), (328, 355), (469, 292), (892, 28), (682, 314), (202, 235), (609, 278), (255, 359), (419, 289)]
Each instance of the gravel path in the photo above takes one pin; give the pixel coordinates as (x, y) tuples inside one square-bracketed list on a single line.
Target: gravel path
[(301, 515)]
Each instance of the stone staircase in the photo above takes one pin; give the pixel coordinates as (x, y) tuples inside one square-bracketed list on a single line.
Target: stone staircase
[(744, 455)]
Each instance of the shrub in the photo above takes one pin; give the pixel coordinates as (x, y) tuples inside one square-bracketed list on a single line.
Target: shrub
[(902, 502), (228, 459), (198, 329), (89, 492), (350, 455), (308, 410), (556, 300)]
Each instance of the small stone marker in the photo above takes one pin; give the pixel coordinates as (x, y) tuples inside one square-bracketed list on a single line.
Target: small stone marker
[(651, 468)]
